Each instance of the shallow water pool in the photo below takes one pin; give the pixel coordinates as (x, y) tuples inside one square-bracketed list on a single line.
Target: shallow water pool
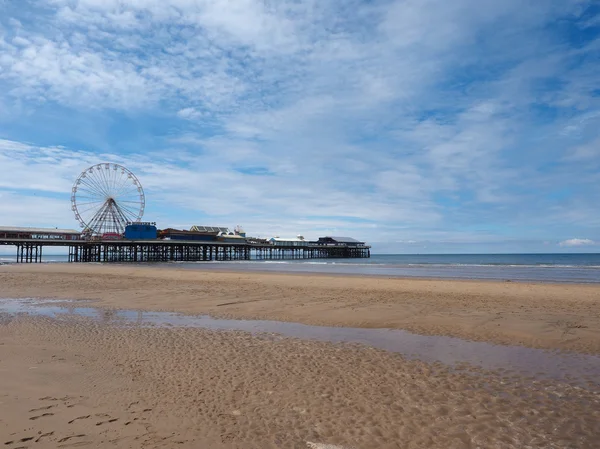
[(540, 364)]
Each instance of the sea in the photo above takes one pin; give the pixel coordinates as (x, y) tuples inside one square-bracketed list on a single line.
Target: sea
[(567, 268)]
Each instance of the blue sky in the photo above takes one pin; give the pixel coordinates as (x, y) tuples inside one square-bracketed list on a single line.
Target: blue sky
[(416, 125)]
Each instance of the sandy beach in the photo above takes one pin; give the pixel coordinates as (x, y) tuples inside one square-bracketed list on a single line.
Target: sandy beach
[(559, 316), (77, 382)]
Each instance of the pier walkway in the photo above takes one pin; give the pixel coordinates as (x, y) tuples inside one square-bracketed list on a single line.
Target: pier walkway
[(30, 251)]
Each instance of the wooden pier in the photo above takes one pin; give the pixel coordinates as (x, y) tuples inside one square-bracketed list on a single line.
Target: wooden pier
[(30, 251)]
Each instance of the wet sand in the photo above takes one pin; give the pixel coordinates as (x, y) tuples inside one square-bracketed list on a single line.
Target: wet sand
[(80, 383), (75, 381), (536, 315)]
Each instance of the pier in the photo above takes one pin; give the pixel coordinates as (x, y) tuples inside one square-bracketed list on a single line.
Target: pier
[(31, 250), (112, 231)]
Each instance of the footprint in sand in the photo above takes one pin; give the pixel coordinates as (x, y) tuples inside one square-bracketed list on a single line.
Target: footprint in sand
[(62, 440), (22, 440), (33, 418), (48, 407), (99, 423), (323, 446), (44, 435), (79, 417)]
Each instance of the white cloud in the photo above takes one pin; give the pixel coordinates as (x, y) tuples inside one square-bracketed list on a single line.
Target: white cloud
[(177, 185), (35, 210), (577, 242), (190, 114), (589, 152), (424, 117)]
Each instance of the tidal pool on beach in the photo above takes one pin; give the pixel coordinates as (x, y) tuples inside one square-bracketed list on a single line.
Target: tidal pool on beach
[(575, 368)]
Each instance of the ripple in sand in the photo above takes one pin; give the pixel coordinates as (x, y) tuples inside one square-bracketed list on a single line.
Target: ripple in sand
[(323, 446), (539, 364)]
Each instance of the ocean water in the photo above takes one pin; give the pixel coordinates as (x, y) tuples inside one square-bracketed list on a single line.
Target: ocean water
[(61, 258), (571, 268), (514, 267)]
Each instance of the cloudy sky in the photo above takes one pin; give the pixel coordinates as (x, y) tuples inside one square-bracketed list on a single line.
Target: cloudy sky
[(417, 125)]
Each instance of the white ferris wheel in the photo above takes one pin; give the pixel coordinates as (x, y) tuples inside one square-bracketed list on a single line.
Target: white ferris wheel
[(105, 197)]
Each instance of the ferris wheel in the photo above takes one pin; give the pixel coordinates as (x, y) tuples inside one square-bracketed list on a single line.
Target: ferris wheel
[(105, 197)]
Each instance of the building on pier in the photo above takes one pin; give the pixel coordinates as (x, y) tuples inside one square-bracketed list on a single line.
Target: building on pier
[(140, 231), (180, 234), (12, 232), (290, 241), (212, 230), (338, 241), (204, 234), (231, 238), (239, 231)]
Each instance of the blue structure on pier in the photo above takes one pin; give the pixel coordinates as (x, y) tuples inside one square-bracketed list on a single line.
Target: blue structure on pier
[(140, 231)]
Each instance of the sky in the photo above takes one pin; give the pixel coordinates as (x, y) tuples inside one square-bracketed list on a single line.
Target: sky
[(415, 125)]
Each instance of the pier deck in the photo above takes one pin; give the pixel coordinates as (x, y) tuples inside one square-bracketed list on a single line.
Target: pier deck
[(30, 251)]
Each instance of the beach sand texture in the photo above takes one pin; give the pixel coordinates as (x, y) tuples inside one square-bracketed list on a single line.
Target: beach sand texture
[(559, 316), (84, 383), (77, 383)]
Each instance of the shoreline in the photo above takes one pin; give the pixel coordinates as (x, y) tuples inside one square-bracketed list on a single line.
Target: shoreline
[(517, 273), (539, 315), (401, 276)]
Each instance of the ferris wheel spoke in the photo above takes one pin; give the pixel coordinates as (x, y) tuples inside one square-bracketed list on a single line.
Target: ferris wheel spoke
[(106, 221), (127, 216), (88, 197), (86, 190), (85, 210), (133, 202), (122, 180), (126, 209), (125, 205), (117, 177), (89, 186), (127, 193), (119, 217), (104, 182), (104, 178), (112, 179), (128, 197), (81, 203), (129, 180), (95, 219), (83, 207), (97, 179), (122, 213), (95, 182), (125, 189), (94, 187), (91, 214)]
